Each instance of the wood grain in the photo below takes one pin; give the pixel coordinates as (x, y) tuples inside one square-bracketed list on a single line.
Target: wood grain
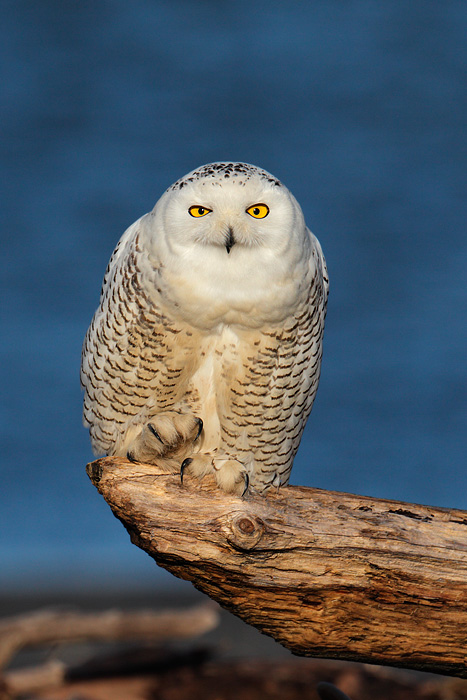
[(326, 574)]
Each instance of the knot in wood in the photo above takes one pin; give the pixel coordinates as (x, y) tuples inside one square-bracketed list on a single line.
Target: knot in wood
[(246, 530), (246, 525)]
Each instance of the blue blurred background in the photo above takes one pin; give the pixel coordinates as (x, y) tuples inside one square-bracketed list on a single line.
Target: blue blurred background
[(358, 107)]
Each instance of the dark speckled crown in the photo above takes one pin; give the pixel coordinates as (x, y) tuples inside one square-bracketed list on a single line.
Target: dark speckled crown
[(242, 172)]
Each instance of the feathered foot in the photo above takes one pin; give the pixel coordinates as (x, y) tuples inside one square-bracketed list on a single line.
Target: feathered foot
[(168, 434), (230, 474)]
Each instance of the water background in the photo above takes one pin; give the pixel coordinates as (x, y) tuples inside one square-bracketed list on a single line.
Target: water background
[(358, 107)]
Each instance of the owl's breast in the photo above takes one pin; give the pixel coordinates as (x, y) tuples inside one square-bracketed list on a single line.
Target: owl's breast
[(221, 363)]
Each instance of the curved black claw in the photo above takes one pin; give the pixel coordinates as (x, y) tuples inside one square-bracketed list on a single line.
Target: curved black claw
[(200, 428), (186, 463), (131, 458), (247, 483), (155, 433)]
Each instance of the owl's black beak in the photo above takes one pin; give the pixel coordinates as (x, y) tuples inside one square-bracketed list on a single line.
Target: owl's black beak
[(230, 242)]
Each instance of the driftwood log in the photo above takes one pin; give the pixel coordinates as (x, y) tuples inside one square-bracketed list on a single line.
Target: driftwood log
[(326, 574)]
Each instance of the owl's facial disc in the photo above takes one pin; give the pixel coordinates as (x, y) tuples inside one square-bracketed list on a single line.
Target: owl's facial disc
[(219, 207)]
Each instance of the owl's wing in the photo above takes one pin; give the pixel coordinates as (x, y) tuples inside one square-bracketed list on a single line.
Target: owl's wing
[(133, 354), (296, 374), (309, 344), (322, 269), (272, 396)]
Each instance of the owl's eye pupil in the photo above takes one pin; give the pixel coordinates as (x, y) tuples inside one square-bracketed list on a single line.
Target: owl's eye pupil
[(256, 211), (200, 211)]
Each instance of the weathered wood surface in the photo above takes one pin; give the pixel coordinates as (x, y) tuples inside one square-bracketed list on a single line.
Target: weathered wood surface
[(326, 574)]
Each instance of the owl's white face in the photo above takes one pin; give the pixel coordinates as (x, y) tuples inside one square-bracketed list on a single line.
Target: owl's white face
[(230, 214), (224, 217), (234, 234)]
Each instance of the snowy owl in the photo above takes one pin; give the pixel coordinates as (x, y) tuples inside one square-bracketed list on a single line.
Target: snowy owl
[(206, 348)]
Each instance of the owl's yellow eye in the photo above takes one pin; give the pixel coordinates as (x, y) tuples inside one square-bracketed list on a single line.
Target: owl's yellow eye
[(198, 211), (258, 211)]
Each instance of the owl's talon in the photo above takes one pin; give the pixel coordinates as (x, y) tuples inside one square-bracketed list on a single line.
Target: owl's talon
[(131, 458), (155, 433), (200, 428), (186, 463), (247, 483)]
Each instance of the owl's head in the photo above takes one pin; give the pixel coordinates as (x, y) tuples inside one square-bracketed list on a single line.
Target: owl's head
[(230, 208), (232, 245)]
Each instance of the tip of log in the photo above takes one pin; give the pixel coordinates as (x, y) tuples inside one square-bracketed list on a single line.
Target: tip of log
[(165, 478), (94, 471)]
